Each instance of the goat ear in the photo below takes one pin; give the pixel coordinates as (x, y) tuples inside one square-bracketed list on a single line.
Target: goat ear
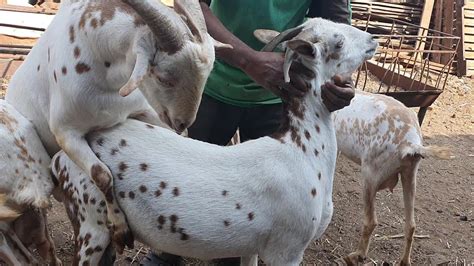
[(138, 74), (265, 36), (219, 45), (302, 47)]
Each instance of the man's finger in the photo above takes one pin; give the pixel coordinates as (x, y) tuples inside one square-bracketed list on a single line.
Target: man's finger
[(332, 101), (292, 91), (345, 92), (299, 83)]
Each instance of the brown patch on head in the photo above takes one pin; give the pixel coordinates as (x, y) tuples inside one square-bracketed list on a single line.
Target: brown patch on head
[(82, 68), (77, 52), (250, 216), (313, 192), (143, 167), (176, 191), (143, 188)]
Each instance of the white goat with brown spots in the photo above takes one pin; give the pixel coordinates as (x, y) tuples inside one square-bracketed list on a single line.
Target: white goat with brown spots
[(83, 73), (270, 196), (25, 187), (384, 137)]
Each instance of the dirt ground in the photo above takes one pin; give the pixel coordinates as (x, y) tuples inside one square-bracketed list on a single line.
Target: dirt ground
[(444, 200)]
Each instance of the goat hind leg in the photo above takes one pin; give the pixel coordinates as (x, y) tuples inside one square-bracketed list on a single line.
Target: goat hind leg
[(77, 148), (409, 190)]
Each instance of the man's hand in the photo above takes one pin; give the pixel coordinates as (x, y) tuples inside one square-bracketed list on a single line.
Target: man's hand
[(266, 69), (337, 94)]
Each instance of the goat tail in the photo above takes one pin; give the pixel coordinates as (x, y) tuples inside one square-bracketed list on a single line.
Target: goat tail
[(7, 213), (439, 152)]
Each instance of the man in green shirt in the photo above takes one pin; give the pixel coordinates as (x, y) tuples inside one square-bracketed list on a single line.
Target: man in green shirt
[(241, 92)]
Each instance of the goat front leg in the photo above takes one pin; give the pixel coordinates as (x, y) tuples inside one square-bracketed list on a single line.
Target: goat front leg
[(26, 253), (76, 147), (409, 190), (370, 222)]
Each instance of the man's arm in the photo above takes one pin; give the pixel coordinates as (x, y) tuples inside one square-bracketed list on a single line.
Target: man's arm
[(264, 68)]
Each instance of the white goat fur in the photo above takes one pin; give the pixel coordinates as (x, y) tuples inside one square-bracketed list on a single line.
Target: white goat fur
[(384, 137), (69, 84), (269, 196), (25, 184)]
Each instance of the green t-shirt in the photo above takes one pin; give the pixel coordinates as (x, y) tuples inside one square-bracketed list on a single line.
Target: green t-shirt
[(229, 84)]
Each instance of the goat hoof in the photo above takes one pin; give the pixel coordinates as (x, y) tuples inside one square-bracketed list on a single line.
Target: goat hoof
[(123, 238)]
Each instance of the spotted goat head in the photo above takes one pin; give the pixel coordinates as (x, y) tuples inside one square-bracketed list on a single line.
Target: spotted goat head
[(326, 52), (174, 65)]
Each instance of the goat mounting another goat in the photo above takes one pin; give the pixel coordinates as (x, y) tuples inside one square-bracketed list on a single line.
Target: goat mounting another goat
[(200, 200), (83, 73)]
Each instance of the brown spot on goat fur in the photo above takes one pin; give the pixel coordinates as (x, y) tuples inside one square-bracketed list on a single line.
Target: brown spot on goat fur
[(316, 152), (107, 64), (158, 193), (150, 126), (250, 216), (94, 23), (72, 35), (319, 175), (143, 167), (224, 192), (122, 194), (120, 176), (114, 151), (307, 135), (89, 251), (38, 68), (100, 141), (238, 206), (313, 192), (226, 223), (173, 218), (163, 185), (77, 52), (143, 188), (98, 174), (86, 198), (131, 195), (318, 129), (82, 68), (123, 167), (161, 220), (55, 77), (176, 191), (123, 143), (64, 70)]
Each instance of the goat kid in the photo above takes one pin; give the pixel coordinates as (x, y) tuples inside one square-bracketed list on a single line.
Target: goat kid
[(384, 137), (25, 187), (200, 200), (83, 73)]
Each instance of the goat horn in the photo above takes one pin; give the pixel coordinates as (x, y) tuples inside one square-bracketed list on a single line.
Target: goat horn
[(284, 36), (157, 17), (192, 13)]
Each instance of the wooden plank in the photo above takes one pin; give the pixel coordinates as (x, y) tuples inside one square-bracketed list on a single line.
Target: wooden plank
[(438, 24), (24, 9), (425, 22), (461, 63), (448, 26)]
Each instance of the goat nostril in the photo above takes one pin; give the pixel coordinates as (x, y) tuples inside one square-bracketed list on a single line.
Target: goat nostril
[(179, 125)]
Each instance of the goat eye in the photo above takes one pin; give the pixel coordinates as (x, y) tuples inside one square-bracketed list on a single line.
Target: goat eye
[(339, 44)]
